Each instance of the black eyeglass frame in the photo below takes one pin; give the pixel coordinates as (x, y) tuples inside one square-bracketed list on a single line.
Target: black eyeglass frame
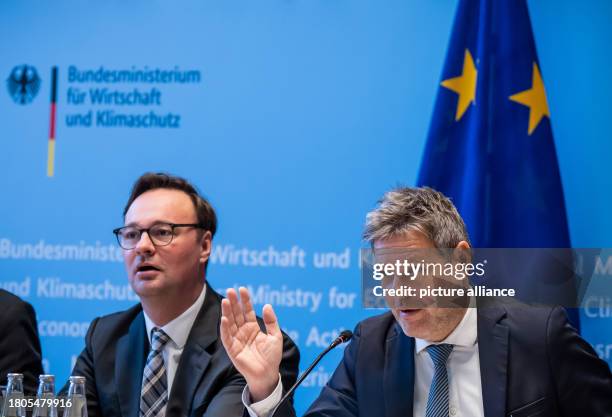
[(118, 230)]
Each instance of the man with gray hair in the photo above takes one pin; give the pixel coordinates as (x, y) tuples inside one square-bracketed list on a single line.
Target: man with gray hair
[(501, 358)]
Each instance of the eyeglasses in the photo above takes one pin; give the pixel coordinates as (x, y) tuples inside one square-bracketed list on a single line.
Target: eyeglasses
[(161, 234)]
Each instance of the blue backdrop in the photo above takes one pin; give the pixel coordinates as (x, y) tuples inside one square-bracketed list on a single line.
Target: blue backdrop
[(293, 117)]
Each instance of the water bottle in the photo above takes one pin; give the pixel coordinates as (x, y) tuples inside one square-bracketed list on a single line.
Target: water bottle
[(45, 406), (14, 401), (76, 402)]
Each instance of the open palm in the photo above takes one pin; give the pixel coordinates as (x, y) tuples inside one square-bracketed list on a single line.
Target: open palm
[(255, 354)]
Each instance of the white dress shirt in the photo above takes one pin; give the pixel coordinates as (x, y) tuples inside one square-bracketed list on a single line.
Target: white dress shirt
[(264, 407), (463, 366), (178, 331)]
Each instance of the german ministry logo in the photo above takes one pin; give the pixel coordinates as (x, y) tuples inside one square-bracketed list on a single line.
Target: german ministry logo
[(23, 84)]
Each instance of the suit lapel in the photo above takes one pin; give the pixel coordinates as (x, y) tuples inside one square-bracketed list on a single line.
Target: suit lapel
[(195, 358), (399, 374), (129, 365), (493, 354)]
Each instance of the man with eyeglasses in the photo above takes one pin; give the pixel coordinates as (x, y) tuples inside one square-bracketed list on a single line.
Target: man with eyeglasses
[(163, 357)]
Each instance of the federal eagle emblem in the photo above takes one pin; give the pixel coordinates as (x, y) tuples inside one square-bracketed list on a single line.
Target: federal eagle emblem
[(23, 84)]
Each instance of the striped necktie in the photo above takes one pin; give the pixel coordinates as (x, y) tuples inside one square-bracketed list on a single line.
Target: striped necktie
[(154, 392), (437, 402)]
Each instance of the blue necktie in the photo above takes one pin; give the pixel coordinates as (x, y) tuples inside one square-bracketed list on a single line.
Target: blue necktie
[(154, 392), (437, 402)]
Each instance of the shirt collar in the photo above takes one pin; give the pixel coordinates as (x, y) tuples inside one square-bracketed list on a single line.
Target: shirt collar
[(178, 329), (465, 334)]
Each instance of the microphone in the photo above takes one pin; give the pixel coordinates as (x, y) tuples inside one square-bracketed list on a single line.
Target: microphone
[(343, 337)]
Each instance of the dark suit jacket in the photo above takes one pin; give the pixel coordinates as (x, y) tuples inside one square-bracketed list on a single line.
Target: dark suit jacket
[(205, 384), (19, 343), (532, 363)]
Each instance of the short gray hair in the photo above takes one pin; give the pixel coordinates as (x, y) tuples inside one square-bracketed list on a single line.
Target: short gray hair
[(422, 209)]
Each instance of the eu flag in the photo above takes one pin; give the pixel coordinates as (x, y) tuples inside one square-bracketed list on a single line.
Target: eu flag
[(490, 146)]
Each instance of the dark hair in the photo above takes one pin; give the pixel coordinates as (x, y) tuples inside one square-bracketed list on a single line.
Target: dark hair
[(207, 218)]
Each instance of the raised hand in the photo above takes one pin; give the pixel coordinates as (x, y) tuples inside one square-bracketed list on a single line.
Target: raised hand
[(256, 355)]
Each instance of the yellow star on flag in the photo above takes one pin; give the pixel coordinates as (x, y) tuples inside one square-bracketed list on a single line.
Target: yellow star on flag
[(535, 99), (464, 85)]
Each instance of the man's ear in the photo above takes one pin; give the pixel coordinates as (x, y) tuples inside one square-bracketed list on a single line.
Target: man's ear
[(205, 246), (462, 253), (463, 245)]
